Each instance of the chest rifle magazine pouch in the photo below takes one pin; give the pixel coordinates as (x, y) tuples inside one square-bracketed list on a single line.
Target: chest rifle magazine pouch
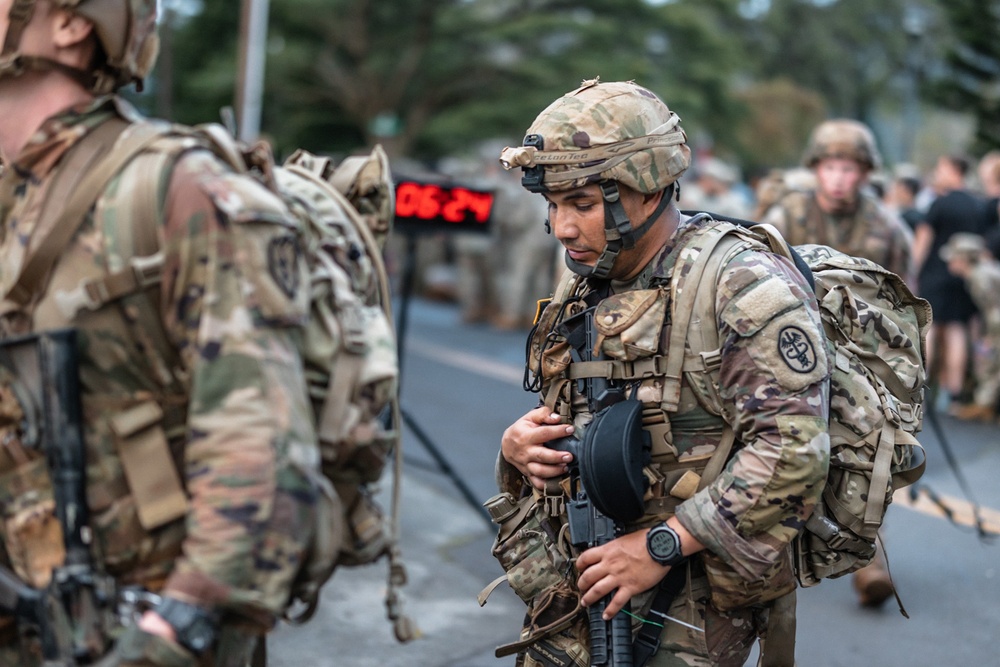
[(148, 464), (614, 452), (36, 414), (526, 546)]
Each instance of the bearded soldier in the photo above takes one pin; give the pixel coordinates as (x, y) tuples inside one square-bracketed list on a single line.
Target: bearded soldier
[(701, 546), (194, 419)]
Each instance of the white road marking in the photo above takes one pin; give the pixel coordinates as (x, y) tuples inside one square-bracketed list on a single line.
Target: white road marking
[(465, 361), (960, 509)]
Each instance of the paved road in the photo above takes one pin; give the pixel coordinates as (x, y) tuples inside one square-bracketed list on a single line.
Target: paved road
[(461, 387)]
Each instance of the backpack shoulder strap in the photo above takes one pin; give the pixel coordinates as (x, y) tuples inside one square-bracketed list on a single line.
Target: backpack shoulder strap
[(136, 245), (693, 285), (84, 176)]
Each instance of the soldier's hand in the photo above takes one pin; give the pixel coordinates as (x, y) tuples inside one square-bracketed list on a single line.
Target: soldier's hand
[(622, 564), (523, 446), (138, 648)]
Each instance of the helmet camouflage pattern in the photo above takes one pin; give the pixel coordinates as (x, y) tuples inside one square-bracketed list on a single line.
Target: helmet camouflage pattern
[(602, 131), (843, 138), (125, 29)]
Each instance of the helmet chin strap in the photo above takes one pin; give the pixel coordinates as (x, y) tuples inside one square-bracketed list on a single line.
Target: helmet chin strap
[(618, 230), (22, 64)]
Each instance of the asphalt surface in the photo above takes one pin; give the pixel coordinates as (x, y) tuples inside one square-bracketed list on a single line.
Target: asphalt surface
[(461, 388)]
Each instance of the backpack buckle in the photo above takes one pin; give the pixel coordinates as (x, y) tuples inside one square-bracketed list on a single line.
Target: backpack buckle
[(147, 270), (712, 360), (89, 295)]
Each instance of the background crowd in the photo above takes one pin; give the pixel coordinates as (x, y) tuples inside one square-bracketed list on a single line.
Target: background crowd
[(951, 211)]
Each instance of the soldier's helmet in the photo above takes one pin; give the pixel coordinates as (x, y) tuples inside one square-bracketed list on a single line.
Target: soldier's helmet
[(843, 138), (125, 30), (963, 244), (615, 131), (608, 134)]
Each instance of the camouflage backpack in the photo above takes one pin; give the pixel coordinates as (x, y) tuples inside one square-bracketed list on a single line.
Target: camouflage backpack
[(875, 331), (348, 348)]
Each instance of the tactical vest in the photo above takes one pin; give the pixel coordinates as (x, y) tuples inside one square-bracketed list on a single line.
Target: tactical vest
[(866, 233), (135, 415), (664, 346), (347, 344)]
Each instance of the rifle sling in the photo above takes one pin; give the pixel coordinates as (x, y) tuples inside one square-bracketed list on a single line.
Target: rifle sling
[(647, 643), (86, 173)]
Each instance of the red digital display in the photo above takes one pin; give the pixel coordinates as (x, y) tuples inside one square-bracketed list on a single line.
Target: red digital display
[(441, 205)]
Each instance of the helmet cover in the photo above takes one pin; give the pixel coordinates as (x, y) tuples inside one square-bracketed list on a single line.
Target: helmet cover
[(843, 138), (616, 131)]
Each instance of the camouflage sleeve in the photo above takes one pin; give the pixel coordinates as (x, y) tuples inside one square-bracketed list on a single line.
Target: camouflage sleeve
[(777, 217), (234, 290), (774, 383)]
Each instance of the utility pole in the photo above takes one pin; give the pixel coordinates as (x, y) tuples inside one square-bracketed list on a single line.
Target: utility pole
[(914, 25), (250, 78)]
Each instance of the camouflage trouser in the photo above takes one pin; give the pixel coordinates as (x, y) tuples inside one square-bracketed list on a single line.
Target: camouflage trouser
[(138, 649), (726, 641), (986, 371)]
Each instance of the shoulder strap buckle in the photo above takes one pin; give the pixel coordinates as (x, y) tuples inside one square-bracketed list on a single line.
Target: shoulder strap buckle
[(147, 270), (70, 302), (142, 272)]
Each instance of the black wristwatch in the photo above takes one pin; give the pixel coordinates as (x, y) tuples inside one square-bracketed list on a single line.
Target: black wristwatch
[(195, 627), (664, 545)]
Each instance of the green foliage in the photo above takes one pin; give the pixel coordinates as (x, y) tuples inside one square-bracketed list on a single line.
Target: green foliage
[(781, 116), (970, 81), (428, 78), (431, 77), (204, 55), (848, 51)]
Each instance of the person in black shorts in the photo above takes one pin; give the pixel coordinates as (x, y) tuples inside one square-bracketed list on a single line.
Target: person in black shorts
[(954, 210)]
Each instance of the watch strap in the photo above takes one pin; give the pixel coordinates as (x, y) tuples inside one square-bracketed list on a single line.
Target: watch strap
[(671, 561), (194, 626)]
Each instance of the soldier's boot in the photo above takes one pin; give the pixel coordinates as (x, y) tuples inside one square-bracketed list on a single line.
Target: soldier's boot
[(975, 412), (873, 583)]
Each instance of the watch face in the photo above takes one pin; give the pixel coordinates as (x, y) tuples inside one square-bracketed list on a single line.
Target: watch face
[(663, 543)]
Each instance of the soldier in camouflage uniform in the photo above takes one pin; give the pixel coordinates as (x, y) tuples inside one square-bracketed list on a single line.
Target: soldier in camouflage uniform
[(968, 258), (227, 410), (839, 212), (606, 157)]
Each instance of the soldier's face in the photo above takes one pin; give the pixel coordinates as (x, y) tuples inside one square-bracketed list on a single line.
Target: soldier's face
[(4, 18), (837, 182), (577, 219)]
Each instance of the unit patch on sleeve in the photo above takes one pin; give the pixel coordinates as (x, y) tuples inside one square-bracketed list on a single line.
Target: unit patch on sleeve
[(796, 349), (282, 263)]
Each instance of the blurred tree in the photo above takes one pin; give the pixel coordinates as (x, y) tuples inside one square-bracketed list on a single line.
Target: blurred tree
[(430, 77), (203, 57), (846, 50), (781, 116), (970, 79)]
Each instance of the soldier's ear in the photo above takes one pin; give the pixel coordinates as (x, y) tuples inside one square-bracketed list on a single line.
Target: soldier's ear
[(652, 200), (69, 29)]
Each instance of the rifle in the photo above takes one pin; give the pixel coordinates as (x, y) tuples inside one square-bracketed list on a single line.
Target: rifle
[(65, 614), (616, 422), (39, 611)]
